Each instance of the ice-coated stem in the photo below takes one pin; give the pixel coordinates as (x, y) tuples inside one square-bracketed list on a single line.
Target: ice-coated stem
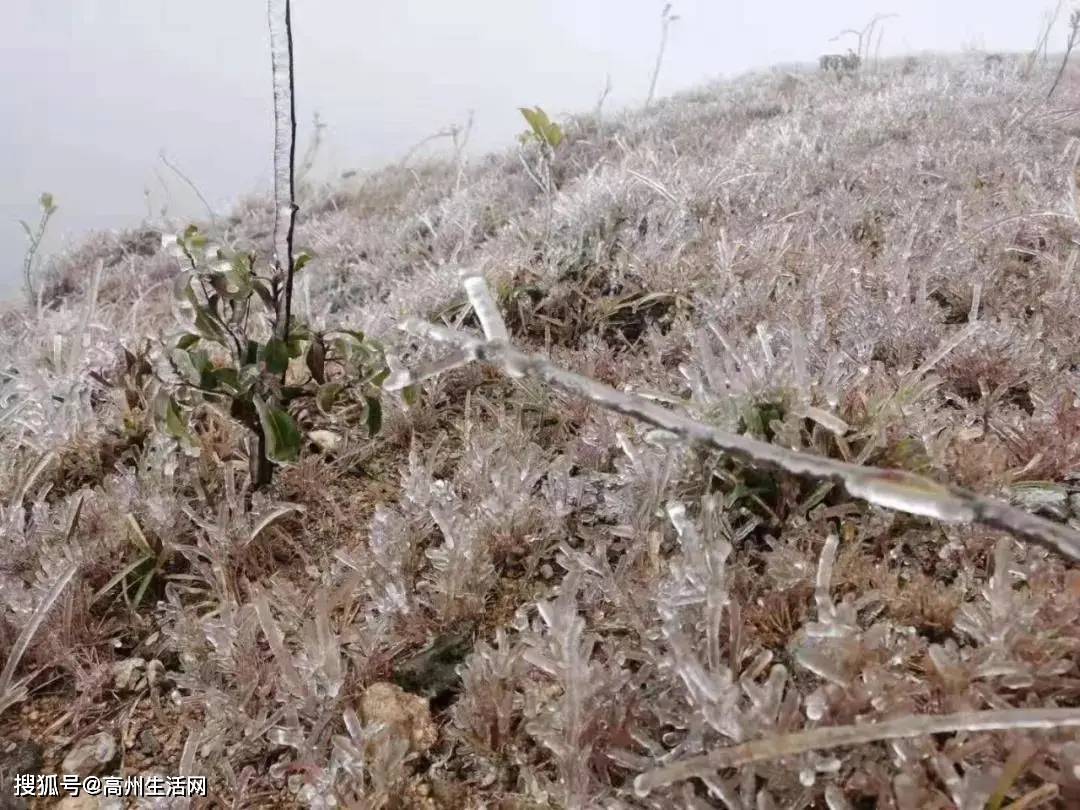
[(815, 739), (279, 15), (892, 489)]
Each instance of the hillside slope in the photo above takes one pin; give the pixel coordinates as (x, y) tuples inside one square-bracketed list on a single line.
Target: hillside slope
[(878, 268)]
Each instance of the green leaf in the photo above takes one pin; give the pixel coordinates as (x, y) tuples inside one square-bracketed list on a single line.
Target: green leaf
[(380, 377), (327, 395), (411, 394), (227, 378), (282, 436), (301, 261), (193, 239), (536, 118), (47, 202), (182, 288), (232, 284), (543, 128), (186, 366), (170, 417), (276, 356), (247, 378), (251, 355), (262, 289), (187, 340), (209, 326), (374, 415), (553, 134), (316, 360)]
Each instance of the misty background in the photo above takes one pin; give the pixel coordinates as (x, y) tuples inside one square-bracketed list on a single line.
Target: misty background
[(94, 91)]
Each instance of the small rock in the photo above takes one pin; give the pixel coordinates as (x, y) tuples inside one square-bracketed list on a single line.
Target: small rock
[(409, 714), (127, 673), (91, 755), (325, 440), (148, 743)]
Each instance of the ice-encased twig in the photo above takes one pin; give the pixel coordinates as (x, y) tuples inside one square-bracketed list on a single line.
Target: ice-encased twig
[(800, 742), (892, 489), (279, 18)]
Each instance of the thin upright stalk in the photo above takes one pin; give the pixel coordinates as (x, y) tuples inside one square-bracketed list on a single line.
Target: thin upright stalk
[(666, 19), (1074, 32), (279, 13)]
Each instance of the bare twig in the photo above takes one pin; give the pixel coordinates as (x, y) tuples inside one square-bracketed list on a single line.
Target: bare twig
[(1074, 32), (445, 132), (598, 110), (892, 489), (190, 183), (308, 161), (1050, 19), (666, 19), (864, 35)]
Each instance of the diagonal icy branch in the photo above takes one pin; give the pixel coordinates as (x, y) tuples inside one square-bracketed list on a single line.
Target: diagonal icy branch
[(892, 489)]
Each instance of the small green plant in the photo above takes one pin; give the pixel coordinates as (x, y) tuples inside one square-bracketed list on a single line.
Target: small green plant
[(229, 354), (242, 350), (34, 237), (546, 136), (542, 129)]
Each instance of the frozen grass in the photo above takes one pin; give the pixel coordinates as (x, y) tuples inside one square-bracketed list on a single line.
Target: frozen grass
[(877, 270)]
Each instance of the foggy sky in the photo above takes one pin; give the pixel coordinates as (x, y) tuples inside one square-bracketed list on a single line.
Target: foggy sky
[(92, 91)]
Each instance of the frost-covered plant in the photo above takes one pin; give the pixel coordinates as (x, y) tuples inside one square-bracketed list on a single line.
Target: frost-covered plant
[(233, 352), (544, 136), (33, 238)]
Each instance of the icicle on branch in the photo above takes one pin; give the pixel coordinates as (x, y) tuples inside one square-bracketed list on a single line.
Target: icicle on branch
[(800, 742), (892, 489), (279, 16)]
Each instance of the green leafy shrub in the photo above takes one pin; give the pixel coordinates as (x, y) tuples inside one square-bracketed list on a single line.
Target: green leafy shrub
[(228, 354)]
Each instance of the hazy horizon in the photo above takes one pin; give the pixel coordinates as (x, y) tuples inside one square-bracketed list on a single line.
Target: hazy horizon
[(96, 92)]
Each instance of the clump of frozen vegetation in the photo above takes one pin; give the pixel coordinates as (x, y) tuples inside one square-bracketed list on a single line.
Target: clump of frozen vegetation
[(517, 596)]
